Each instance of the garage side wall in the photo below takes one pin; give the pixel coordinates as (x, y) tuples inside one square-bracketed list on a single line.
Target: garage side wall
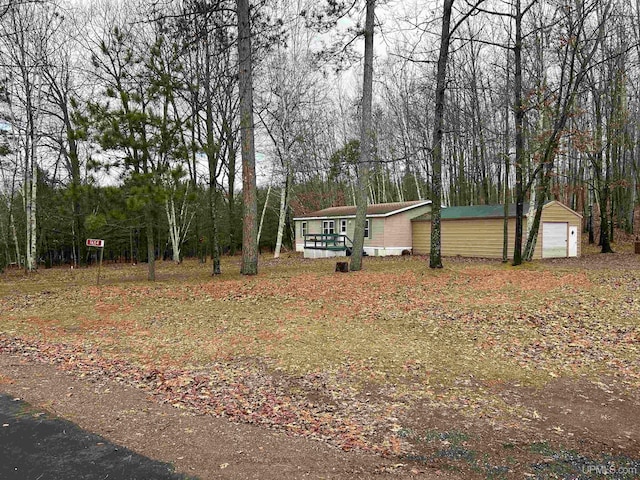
[(467, 238)]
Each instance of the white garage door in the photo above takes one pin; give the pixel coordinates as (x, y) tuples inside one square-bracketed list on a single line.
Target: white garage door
[(554, 240)]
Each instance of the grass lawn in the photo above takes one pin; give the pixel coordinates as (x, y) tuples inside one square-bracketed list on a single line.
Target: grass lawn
[(452, 367)]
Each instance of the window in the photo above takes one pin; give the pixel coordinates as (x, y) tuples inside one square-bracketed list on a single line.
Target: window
[(343, 227), (303, 229), (328, 226), (367, 226)]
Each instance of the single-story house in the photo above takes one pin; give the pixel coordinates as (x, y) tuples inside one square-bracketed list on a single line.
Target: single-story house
[(329, 232), (478, 231)]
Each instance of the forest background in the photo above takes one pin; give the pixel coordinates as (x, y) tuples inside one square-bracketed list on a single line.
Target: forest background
[(120, 120)]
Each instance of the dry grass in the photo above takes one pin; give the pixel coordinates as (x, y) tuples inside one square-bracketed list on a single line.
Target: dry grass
[(397, 328), (397, 319)]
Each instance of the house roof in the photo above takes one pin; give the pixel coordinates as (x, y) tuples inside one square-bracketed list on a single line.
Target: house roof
[(373, 210), (474, 211)]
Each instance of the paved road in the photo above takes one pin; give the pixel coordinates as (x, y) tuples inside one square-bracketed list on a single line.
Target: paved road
[(36, 446)]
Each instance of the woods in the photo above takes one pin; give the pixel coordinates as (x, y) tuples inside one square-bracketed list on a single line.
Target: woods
[(168, 129)]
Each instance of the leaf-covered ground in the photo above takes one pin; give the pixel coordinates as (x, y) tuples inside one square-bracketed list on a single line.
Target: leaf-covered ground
[(455, 367)]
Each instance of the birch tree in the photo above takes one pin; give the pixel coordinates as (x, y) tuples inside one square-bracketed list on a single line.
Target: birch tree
[(291, 82), (25, 32)]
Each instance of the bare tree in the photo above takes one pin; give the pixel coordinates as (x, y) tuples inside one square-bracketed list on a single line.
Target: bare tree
[(291, 86), (25, 32), (366, 141), (586, 27), (435, 257)]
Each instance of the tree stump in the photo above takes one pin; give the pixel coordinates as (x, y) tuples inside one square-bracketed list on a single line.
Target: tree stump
[(342, 267)]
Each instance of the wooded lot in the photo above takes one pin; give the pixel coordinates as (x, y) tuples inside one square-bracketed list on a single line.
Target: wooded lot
[(200, 127)]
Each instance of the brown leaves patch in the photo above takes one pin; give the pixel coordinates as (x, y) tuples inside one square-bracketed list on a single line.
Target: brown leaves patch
[(341, 358)]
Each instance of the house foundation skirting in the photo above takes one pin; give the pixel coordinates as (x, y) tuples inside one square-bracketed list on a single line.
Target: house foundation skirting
[(321, 253), (385, 251)]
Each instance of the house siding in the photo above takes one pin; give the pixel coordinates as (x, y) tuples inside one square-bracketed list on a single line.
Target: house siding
[(313, 226), (398, 231), (376, 230)]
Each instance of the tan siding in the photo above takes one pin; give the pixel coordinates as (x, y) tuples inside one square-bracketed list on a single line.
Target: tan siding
[(466, 238), (484, 237), (421, 237), (397, 229), (556, 212)]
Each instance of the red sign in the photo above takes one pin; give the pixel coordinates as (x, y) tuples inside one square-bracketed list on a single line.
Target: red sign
[(94, 242)]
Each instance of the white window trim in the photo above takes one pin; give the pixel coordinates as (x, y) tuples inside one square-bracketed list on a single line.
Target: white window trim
[(303, 229), (367, 228), (328, 227), (343, 226)]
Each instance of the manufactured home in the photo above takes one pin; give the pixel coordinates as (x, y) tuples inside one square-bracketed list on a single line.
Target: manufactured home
[(329, 232)]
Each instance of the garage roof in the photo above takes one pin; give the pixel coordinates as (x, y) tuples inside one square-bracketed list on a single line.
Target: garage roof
[(474, 211)]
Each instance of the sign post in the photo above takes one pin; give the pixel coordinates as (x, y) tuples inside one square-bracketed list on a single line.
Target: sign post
[(94, 242)]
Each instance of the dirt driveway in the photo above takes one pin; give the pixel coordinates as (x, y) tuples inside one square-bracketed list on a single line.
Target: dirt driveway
[(200, 446)]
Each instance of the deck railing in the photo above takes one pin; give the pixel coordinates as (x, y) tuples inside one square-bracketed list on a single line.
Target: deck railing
[(327, 241)]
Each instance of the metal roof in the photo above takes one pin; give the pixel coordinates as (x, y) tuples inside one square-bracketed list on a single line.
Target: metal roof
[(474, 211)]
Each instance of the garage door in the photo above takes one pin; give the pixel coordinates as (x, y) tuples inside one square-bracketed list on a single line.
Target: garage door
[(554, 240)]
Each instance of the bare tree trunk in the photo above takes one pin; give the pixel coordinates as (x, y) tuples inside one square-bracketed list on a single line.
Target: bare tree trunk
[(284, 196), (32, 189), (264, 212), (213, 153), (249, 218), (435, 257), (214, 196), (366, 141), (533, 205), (231, 166), (174, 229), (151, 251), (11, 206), (519, 125), (5, 259), (193, 174), (14, 237), (534, 217), (507, 168), (604, 201)]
